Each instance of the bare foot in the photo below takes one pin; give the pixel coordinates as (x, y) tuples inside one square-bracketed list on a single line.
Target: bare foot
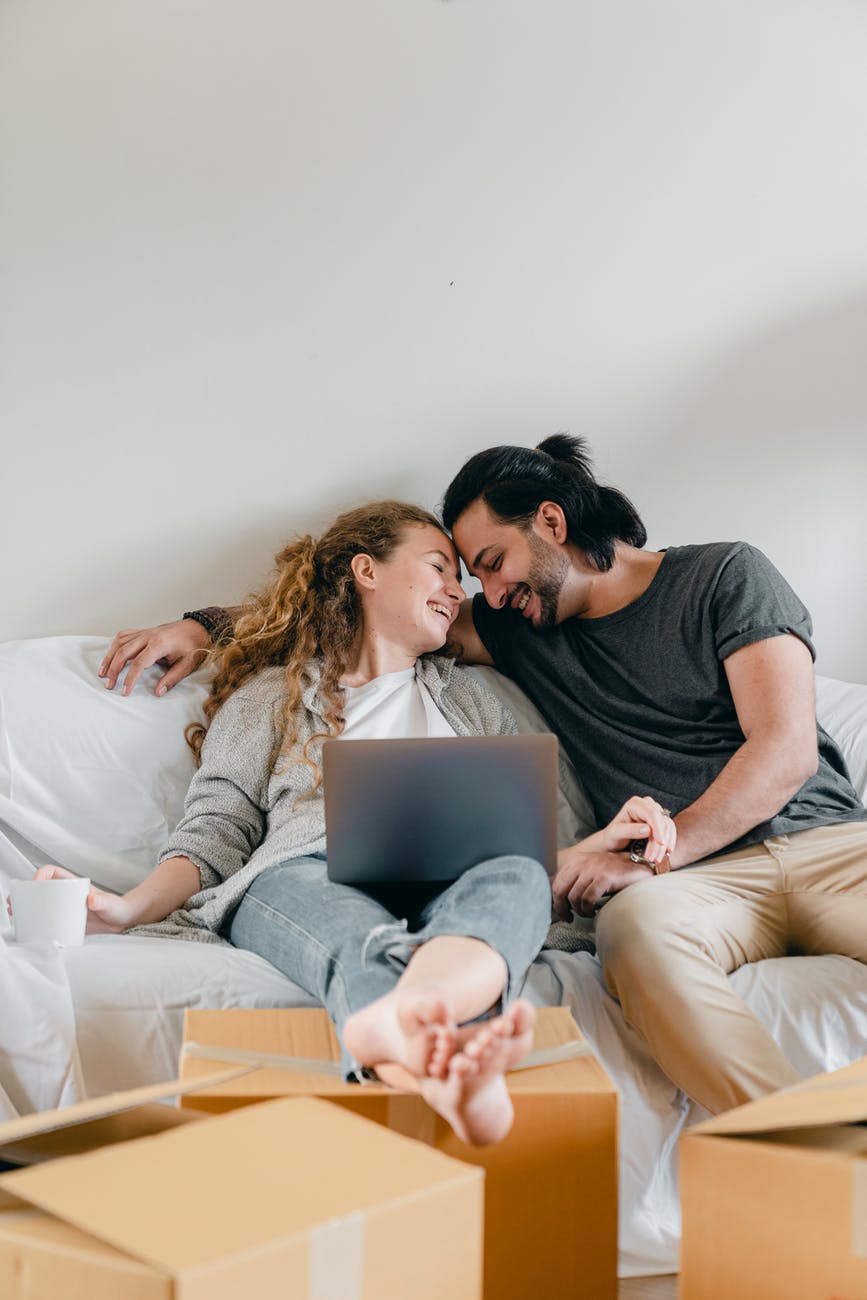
[(473, 1097), (416, 1031)]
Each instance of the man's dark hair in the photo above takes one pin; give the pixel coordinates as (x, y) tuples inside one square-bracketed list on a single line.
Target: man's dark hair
[(514, 481)]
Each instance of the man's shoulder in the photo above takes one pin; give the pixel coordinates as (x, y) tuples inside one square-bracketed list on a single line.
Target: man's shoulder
[(706, 555), (702, 565)]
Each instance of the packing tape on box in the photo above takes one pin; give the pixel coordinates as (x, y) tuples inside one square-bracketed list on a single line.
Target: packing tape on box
[(266, 1060), (576, 1047), (571, 1051), (336, 1259)]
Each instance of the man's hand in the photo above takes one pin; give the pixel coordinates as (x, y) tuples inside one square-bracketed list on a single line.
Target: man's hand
[(106, 913), (181, 647), (583, 878)]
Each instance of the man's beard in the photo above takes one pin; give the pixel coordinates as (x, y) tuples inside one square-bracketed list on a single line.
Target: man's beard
[(548, 571)]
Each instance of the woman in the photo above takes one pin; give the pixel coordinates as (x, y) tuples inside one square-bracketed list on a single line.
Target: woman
[(338, 645)]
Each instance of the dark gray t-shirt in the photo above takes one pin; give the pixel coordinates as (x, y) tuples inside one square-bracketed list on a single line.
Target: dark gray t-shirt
[(640, 698)]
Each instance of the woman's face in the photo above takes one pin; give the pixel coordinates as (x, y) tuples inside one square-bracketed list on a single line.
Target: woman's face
[(412, 598)]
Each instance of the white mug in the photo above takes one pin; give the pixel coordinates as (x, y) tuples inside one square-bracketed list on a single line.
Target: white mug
[(49, 910)]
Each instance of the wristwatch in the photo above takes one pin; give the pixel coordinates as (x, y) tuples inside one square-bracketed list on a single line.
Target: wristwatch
[(636, 854)]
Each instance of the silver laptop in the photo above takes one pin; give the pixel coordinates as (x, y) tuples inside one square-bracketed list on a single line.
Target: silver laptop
[(400, 811)]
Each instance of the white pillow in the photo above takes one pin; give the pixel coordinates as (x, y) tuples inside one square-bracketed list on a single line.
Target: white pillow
[(89, 779), (841, 707)]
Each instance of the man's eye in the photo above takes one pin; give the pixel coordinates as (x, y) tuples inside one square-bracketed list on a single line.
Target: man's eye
[(497, 563)]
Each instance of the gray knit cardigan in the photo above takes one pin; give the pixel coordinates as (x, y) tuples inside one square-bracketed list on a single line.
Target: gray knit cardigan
[(240, 816)]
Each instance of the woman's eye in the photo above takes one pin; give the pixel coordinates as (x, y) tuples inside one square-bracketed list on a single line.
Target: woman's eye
[(439, 568)]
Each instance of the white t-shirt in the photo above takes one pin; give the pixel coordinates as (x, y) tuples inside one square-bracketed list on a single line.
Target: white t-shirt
[(395, 706)]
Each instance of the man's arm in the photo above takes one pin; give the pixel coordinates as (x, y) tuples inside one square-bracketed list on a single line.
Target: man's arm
[(772, 686), (771, 682), (182, 646), (464, 637)]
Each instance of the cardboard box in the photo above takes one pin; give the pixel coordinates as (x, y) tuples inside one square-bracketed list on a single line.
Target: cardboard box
[(550, 1187), (294, 1198), (774, 1196)]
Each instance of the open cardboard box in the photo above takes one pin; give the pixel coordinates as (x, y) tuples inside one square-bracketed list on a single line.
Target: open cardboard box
[(774, 1196), (550, 1187), (292, 1198)]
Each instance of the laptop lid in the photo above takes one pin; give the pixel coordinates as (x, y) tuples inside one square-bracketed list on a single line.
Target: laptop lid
[(428, 809)]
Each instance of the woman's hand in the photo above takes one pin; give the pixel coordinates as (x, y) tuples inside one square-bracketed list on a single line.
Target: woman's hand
[(106, 913), (640, 818), (599, 865), (181, 646)]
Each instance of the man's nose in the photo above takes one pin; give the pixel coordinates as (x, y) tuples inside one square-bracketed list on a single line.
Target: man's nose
[(496, 592)]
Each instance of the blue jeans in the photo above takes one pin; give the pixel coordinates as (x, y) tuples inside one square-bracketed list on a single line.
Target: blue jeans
[(347, 948)]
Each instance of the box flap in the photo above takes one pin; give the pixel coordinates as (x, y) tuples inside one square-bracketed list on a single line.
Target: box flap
[(235, 1183), (839, 1097), (288, 1045), (89, 1135), (49, 1121)]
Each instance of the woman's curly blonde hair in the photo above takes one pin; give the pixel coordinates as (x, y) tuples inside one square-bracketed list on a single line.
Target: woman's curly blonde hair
[(309, 610)]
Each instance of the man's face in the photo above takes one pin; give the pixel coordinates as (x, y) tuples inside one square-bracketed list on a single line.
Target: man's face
[(515, 567)]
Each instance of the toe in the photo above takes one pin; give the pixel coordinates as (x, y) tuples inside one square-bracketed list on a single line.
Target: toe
[(523, 1017)]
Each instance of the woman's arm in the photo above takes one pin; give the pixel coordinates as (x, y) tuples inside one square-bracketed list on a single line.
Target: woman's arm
[(167, 888), (226, 808)]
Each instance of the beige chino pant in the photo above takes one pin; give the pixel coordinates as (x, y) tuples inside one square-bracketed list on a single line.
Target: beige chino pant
[(668, 943)]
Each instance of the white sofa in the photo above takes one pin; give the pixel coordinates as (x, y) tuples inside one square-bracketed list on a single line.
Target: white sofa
[(94, 781)]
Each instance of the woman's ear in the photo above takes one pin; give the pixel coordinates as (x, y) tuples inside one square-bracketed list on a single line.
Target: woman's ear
[(364, 571)]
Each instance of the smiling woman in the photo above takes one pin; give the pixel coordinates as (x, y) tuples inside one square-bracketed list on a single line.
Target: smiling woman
[(378, 589)]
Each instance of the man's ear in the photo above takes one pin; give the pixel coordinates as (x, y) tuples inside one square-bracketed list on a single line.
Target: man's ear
[(550, 522), (364, 571)]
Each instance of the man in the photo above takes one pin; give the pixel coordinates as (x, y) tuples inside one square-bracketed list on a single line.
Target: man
[(684, 674)]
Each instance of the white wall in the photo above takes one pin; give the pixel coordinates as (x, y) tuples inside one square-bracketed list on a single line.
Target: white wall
[(262, 259)]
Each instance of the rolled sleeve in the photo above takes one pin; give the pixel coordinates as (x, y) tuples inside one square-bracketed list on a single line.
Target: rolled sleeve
[(753, 602)]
